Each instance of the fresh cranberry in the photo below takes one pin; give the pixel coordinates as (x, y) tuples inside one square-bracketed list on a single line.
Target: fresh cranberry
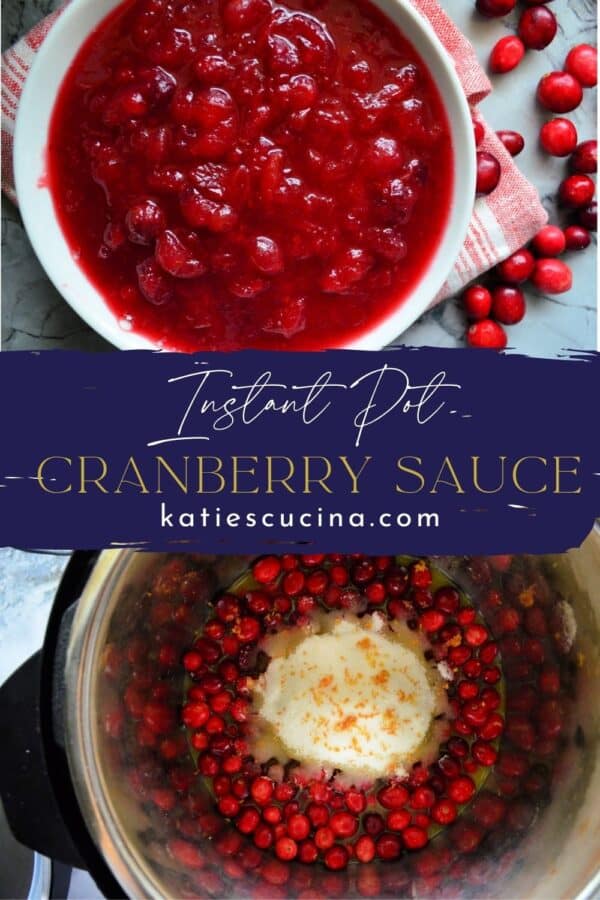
[(267, 569), (507, 54), (559, 92), (582, 63), (577, 191), (513, 141), (432, 620), (461, 789), (286, 848), (393, 796), (414, 838), (495, 8), (364, 848), (517, 268), (488, 172), (492, 727), (537, 27), (261, 790), (398, 819), (336, 858), (444, 812), (577, 238), (584, 160), (389, 846), (343, 824), (558, 137), (487, 334), (588, 216), (478, 132), (508, 307), (549, 241), (324, 838), (552, 276)]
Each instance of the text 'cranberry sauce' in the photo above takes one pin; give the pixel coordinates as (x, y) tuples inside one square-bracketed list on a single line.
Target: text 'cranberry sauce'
[(245, 173)]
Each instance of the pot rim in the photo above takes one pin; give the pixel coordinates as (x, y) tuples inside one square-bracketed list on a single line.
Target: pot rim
[(88, 632)]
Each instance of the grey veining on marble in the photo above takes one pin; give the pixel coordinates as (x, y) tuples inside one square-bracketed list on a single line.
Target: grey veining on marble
[(34, 316)]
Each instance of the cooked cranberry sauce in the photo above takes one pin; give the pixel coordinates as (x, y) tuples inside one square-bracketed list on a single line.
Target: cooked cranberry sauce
[(246, 173)]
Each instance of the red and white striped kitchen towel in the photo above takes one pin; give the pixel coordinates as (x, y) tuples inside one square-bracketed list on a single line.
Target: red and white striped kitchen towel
[(502, 222)]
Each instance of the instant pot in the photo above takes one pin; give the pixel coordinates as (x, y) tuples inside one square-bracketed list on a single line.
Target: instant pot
[(71, 794)]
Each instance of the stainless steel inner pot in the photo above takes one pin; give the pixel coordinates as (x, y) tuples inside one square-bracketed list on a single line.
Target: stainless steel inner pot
[(557, 857)]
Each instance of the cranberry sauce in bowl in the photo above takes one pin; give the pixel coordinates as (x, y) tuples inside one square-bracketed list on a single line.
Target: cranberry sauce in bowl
[(251, 174)]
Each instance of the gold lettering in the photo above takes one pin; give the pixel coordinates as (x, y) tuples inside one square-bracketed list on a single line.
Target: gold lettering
[(308, 480), (559, 471), (476, 483), (355, 475), (237, 470), (215, 473), (455, 483), (271, 479), (40, 475), (137, 483), (83, 478), (182, 484), (403, 468), (516, 470)]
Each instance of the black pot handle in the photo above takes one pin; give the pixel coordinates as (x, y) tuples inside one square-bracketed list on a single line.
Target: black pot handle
[(26, 789)]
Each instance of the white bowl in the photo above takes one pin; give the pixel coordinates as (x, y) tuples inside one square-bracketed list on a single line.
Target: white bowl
[(31, 133)]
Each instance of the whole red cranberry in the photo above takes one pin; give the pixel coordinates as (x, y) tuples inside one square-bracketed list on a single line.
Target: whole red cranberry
[(508, 304), (552, 276), (582, 63), (513, 141), (588, 216), (537, 27), (549, 241), (577, 191), (559, 92), (488, 172), (517, 268), (477, 301), (507, 54), (584, 160), (493, 9), (487, 334), (558, 137), (577, 238), (478, 132)]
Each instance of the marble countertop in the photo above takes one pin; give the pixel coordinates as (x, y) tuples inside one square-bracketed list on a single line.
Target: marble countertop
[(35, 317)]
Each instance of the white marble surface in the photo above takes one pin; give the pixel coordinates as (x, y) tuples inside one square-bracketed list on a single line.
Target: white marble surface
[(34, 316)]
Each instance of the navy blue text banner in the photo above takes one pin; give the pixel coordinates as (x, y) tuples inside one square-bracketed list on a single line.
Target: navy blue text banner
[(404, 451)]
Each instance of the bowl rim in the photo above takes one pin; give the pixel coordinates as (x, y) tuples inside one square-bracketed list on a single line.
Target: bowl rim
[(98, 314)]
